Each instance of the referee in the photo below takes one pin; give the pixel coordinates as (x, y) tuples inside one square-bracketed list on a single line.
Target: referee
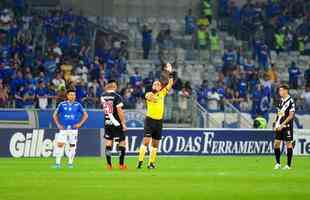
[(283, 126), (153, 124)]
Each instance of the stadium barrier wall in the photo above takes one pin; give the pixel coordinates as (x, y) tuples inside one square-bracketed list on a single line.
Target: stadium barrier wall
[(40, 142), (175, 142), (200, 142), (21, 118)]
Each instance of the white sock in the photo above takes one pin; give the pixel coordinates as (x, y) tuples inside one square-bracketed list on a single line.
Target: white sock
[(58, 154), (71, 155)]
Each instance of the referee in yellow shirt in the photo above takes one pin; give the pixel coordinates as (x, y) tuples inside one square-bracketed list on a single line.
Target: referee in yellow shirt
[(155, 103)]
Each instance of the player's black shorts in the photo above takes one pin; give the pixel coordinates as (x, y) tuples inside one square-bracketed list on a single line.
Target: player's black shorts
[(153, 128), (284, 135), (114, 133)]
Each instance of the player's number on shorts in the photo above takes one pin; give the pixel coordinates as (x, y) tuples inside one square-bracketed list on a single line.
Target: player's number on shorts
[(108, 107)]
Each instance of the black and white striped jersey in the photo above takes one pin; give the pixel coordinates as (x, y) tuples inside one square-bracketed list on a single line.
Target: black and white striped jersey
[(286, 106)]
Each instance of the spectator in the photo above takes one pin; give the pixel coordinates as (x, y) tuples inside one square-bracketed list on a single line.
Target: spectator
[(4, 96), (178, 83), (42, 95), (136, 78), (184, 95), (235, 13), (249, 68), (215, 45), (306, 98), (61, 95), (229, 60), (129, 99), (57, 50), (207, 10), (50, 64), (52, 96), (140, 105), (81, 91), (190, 23), (260, 122), (42, 77), (146, 41), (19, 97), (17, 82), (294, 73), (213, 100), (307, 76), (256, 100), (93, 86), (58, 81), (237, 100), (29, 96), (264, 57), (91, 99), (201, 37), (202, 93), (148, 81), (273, 74), (242, 88), (279, 41), (82, 71)]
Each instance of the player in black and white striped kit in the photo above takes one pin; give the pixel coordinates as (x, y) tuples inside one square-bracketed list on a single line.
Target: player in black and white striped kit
[(283, 126)]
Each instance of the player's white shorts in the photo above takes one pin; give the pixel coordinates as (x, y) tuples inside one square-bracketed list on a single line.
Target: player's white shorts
[(67, 136)]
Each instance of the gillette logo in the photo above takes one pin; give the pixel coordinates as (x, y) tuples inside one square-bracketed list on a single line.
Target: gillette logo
[(31, 145)]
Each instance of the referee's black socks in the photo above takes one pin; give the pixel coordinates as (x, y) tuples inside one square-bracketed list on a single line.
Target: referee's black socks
[(277, 153), (122, 152), (289, 156)]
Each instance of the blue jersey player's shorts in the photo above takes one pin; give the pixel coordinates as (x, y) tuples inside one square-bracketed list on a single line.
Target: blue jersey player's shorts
[(67, 136)]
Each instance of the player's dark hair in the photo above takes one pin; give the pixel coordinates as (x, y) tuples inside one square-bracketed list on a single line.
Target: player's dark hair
[(70, 90), (112, 81), (284, 86)]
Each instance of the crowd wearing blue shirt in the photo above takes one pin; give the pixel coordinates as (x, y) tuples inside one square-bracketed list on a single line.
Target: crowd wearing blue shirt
[(260, 22), (28, 66)]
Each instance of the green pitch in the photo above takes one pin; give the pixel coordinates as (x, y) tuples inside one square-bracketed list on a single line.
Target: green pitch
[(188, 178)]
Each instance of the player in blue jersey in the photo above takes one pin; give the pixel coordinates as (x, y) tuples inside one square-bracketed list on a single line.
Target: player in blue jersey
[(69, 117)]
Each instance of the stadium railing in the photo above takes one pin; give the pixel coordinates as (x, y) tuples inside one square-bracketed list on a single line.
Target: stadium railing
[(233, 118)]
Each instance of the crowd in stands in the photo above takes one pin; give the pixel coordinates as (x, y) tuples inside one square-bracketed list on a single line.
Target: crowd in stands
[(283, 25), (43, 54), (249, 81)]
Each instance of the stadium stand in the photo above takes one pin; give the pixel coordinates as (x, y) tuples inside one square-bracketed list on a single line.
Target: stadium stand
[(218, 61)]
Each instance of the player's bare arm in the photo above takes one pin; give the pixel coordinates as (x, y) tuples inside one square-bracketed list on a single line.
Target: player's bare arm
[(83, 120), (56, 120), (274, 122), (287, 120), (121, 115)]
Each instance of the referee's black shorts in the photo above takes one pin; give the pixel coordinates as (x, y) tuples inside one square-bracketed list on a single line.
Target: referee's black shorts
[(153, 128), (285, 134)]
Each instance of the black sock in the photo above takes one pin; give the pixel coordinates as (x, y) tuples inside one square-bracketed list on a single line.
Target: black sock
[(108, 154), (122, 151), (277, 153), (289, 152)]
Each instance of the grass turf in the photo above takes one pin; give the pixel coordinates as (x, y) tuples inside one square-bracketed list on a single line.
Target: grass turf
[(239, 177)]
